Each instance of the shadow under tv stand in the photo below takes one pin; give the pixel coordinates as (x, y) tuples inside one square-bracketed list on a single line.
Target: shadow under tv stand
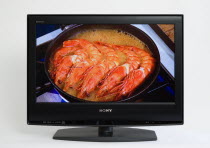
[(105, 134)]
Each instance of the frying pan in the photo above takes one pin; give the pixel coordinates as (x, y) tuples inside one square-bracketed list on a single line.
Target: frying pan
[(73, 30)]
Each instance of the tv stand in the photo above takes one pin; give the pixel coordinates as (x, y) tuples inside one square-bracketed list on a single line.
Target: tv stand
[(105, 134)]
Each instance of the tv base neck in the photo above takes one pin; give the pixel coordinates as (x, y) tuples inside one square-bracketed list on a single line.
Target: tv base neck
[(105, 134)]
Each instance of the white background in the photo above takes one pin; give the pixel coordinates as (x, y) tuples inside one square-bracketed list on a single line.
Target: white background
[(14, 132)]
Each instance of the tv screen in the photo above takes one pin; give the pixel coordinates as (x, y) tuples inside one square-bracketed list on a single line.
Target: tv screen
[(105, 63), (105, 71)]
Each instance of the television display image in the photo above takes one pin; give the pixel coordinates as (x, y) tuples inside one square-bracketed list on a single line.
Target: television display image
[(87, 63)]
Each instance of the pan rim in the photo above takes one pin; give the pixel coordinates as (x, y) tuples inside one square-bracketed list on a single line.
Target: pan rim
[(65, 94)]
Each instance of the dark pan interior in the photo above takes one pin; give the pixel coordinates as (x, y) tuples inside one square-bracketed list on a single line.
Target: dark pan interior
[(57, 42)]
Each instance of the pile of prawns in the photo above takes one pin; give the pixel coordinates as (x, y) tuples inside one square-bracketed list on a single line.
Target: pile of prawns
[(89, 66)]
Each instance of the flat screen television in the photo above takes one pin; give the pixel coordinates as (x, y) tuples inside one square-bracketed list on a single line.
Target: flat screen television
[(105, 71)]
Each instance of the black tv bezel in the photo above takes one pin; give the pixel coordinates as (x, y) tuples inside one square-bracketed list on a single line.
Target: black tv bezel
[(83, 114)]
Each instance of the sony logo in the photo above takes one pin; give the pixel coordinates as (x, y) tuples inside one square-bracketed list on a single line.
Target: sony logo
[(105, 110)]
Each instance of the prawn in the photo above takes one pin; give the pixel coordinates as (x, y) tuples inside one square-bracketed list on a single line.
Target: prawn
[(91, 57), (116, 75), (135, 77), (97, 72)]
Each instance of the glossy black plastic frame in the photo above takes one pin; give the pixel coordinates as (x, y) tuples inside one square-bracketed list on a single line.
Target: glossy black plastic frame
[(88, 113)]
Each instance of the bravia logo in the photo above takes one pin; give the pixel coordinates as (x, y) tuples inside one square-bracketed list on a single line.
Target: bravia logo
[(105, 110)]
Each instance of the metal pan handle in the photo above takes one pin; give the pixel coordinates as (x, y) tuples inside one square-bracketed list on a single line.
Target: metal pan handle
[(67, 26)]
